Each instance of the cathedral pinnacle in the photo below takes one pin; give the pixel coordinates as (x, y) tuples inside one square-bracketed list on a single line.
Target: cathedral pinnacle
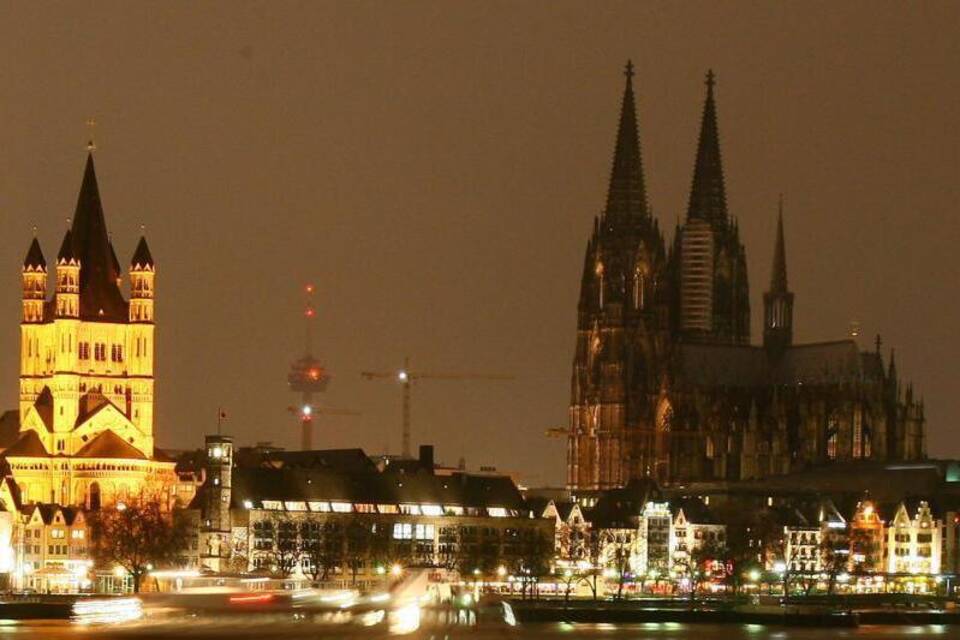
[(627, 195), (708, 198), (778, 278)]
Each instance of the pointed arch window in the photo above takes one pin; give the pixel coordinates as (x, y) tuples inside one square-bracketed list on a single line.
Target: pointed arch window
[(599, 271), (639, 289), (832, 444)]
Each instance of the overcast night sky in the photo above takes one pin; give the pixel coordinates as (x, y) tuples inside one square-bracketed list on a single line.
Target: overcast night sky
[(434, 169)]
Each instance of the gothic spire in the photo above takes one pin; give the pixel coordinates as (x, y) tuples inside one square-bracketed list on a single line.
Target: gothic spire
[(778, 277), (627, 194), (708, 198)]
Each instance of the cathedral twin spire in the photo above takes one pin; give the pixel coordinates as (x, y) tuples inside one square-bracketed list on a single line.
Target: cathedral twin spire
[(627, 195), (708, 198)]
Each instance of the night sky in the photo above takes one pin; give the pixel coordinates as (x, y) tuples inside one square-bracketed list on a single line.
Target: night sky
[(434, 169)]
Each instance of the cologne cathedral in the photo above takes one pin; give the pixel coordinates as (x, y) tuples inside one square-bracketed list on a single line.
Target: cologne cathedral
[(666, 381)]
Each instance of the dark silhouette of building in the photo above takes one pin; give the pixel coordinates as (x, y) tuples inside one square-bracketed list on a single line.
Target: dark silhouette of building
[(666, 382)]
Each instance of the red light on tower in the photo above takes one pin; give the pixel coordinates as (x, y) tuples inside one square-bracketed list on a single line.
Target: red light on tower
[(307, 375)]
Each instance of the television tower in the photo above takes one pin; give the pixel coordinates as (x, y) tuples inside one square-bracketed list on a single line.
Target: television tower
[(307, 376)]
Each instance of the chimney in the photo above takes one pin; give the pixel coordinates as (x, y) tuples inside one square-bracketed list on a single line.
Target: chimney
[(426, 457)]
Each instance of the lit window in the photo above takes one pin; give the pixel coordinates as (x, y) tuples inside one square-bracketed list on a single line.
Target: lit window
[(387, 508), (423, 532), (496, 512), (274, 505), (402, 531), (341, 507), (431, 509), (295, 506), (323, 507)]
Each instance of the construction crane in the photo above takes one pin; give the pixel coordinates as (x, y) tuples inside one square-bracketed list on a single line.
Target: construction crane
[(406, 376)]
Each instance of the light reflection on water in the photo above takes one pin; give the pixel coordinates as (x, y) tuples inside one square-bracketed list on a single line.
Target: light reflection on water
[(676, 630)]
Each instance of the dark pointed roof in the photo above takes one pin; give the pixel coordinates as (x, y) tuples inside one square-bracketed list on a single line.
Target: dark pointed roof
[(100, 297), (778, 278), (28, 446), (66, 253), (708, 199), (110, 445), (44, 406), (35, 257), (142, 256), (627, 194)]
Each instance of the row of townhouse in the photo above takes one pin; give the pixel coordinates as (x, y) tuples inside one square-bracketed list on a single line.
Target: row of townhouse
[(632, 529), (906, 538), (43, 547)]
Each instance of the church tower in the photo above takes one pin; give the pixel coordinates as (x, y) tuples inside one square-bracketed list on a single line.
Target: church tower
[(620, 315), (711, 274), (778, 301), (86, 369)]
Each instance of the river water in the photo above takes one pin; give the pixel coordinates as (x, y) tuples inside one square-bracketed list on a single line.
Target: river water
[(652, 631)]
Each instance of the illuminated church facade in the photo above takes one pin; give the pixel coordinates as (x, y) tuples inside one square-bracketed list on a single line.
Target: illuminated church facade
[(83, 434), (666, 382)]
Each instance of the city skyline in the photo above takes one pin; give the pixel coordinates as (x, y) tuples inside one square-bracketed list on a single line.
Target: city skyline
[(247, 194)]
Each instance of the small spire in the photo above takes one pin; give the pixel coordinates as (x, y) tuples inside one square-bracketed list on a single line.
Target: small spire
[(66, 253), (628, 70), (878, 342), (778, 278), (141, 256), (34, 258)]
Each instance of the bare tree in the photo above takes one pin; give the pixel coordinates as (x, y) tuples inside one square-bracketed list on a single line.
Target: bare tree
[(136, 537), (357, 536)]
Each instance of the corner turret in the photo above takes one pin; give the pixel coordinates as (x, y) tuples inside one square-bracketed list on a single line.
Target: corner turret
[(34, 277)]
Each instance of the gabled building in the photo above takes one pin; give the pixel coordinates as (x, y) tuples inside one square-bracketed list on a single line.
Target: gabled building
[(913, 539), (694, 528)]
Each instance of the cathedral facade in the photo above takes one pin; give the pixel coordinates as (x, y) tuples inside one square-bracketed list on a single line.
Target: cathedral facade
[(84, 431), (666, 381)]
